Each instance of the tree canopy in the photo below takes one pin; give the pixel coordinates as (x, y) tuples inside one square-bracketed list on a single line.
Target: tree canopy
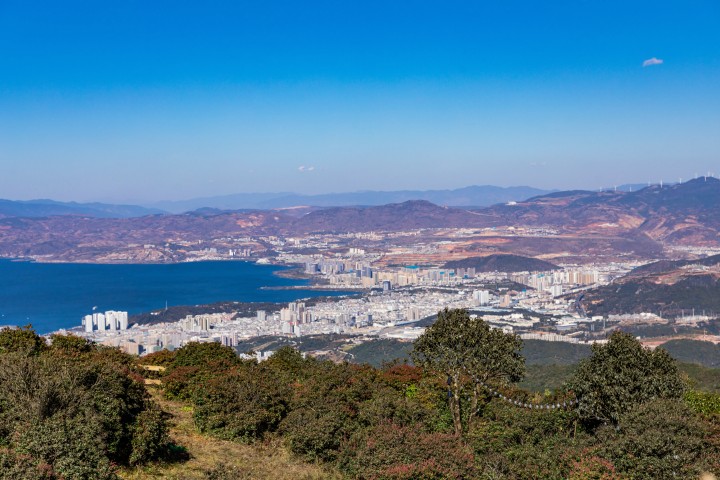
[(620, 375), (468, 351)]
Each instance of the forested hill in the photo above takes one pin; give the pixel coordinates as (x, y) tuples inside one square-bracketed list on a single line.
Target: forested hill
[(667, 288), (503, 263)]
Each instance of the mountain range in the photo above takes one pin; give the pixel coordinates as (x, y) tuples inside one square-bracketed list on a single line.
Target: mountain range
[(637, 222), (47, 208), (684, 213), (473, 196)]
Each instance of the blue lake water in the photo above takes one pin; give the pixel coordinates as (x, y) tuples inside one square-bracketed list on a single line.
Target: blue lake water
[(51, 296)]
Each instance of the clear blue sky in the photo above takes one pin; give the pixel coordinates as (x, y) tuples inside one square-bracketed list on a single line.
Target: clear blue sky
[(148, 100)]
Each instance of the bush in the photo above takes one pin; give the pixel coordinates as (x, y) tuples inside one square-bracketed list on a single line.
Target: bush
[(163, 358), (150, 436), (242, 405), (22, 340), (74, 410), (15, 466), (72, 445), (180, 383), (315, 434), (196, 354), (70, 345), (393, 452), (589, 466), (658, 439)]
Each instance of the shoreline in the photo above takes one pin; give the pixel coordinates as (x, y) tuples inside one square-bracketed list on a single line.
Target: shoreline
[(318, 287), (267, 286)]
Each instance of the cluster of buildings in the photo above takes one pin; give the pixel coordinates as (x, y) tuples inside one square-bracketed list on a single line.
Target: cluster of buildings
[(202, 323), (554, 281), (109, 321)]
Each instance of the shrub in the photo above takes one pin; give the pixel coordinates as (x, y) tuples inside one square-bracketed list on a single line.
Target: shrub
[(21, 340), (589, 466), (658, 439), (15, 466), (196, 354), (70, 345), (315, 434), (119, 400), (73, 412), (164, 358), (394, 452), (150, 436), (72, 445), (180, 383), (242, 405)]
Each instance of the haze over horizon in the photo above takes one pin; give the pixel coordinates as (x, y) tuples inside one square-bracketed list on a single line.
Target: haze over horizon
[(139, 102)]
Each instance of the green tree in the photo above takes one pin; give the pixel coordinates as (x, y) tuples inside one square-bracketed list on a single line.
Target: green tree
[(468, 351), (22, 340), (70, 345), (620, 375)]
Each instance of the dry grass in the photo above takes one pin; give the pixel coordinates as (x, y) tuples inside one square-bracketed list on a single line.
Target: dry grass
[(264, 461)]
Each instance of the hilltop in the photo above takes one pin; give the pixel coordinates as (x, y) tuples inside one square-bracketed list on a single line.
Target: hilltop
[(503, 263), (670, 288), (409, 215)]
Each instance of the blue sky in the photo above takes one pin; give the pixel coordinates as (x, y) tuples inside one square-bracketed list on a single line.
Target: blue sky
[(142, 101)]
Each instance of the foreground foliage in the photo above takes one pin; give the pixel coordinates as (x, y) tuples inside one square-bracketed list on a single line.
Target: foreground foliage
[(76, 410), (72, 410), (396, 422)]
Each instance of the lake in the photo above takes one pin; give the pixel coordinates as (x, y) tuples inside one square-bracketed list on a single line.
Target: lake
[(51, 296)]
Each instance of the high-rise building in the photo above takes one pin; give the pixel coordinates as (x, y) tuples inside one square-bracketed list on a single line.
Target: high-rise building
[(481, 297), (100, 321), (110, 320)]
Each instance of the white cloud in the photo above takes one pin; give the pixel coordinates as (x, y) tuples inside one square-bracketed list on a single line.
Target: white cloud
[(303, 168), (653, 61)]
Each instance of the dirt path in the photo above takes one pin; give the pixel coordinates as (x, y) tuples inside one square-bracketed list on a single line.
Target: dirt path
[(241, 461)]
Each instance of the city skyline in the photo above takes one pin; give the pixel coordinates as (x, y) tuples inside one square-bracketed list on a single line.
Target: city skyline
[(141, 103)]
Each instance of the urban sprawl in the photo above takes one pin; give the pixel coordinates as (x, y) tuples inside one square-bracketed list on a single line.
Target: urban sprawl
[(396, 294)]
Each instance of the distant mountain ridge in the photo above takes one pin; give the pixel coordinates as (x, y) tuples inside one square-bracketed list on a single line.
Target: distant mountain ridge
[(409, 215), (639, 223), (683, 213), (473, 196), (46, 208)]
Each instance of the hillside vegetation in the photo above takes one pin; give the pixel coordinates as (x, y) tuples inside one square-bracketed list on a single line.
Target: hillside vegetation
[(77, 410)]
